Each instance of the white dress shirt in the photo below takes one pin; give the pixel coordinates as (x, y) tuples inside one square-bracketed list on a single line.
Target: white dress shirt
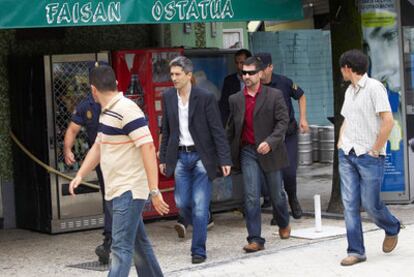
[(185, 136)]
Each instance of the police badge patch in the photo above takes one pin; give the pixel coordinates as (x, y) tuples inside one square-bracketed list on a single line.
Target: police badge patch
[(294, 86), (89, 114)]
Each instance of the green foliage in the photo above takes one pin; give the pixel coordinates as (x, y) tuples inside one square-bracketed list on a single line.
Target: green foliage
[(200, 34)]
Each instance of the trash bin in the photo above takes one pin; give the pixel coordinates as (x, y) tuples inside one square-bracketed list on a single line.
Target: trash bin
[(305, 149), (314, 129), (326, 144)]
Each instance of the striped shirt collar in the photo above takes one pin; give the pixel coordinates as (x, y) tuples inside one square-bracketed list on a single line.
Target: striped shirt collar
[(113, 101)]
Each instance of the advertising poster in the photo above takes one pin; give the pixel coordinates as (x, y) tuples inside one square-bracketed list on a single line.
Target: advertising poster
[(407, 21), (210, 71), (380, 33)]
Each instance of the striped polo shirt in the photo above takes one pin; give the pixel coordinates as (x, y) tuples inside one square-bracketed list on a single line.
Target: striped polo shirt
[(361, 110), (122, 130)]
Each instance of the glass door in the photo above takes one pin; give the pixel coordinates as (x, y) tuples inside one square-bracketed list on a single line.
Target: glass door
[(67, 78)]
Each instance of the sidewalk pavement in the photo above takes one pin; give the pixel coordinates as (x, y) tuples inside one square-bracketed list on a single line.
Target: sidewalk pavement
[(26, 253), (319, 259)]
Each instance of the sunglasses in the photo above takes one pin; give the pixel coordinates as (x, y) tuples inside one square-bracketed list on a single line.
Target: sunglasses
[(251, 72)]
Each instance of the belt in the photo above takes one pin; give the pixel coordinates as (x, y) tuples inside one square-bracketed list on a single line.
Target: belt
[(184, 148)]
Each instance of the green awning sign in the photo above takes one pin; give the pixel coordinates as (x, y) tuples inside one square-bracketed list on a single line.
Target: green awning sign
[(193, 10), (55, 13)]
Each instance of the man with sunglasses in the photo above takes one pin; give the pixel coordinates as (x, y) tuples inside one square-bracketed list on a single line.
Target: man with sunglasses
[(290, 90), (256, 129)]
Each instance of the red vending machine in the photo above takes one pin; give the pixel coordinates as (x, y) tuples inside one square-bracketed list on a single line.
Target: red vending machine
[(142, 76)]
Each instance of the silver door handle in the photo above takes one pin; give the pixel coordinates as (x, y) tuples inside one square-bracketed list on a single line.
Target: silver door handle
[(51, 143)]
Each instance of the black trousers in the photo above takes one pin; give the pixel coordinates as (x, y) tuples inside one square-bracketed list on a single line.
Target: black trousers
[(289, 173), (107, 216)]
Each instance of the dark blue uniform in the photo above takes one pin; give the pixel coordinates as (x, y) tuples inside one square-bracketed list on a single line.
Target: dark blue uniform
[(87, 114), (290, 90)]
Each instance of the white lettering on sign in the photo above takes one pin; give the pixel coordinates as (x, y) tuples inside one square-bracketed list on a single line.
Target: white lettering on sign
[(64, 13), (191, 10)]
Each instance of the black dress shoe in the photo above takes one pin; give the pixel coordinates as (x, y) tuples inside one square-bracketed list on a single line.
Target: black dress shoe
[(295, 207), (273, 222), (210, 221), (196, 259), (103, 251), (266, 203)]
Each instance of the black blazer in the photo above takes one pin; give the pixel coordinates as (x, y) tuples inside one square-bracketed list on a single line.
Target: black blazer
[(204, 126), (270, 122), (231, 85)]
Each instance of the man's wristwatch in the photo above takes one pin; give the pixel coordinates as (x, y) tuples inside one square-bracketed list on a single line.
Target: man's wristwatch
[(154, 192)]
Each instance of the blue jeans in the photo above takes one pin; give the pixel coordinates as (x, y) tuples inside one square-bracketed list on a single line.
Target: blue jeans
[(128, 236), (192, 197), (289, 172), (361, 179), (252, 173)]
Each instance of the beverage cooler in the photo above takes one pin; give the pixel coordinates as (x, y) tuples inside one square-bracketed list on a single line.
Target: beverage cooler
[(142, 76), (43, 94)]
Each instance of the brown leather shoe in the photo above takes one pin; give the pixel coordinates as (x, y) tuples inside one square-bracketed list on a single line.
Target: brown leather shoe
[(389, 244), (351, 260), (284, 233), (253, 247)]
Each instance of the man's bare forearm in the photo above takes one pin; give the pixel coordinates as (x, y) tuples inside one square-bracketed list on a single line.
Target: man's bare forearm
[(341, 132), (302, 108), (150, 164), (70, 136), (387, 123)]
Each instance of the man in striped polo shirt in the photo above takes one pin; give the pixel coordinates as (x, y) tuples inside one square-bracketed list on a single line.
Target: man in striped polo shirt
[(125, 150), (361, 150)]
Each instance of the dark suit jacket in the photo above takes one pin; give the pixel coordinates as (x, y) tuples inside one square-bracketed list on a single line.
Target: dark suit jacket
[(204, 126), (270, 122), (231, 85)]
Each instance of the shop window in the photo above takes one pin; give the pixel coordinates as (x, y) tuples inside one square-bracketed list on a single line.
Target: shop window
[(233, 38)]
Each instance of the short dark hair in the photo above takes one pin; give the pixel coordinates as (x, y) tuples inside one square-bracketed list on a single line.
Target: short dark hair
[(356, 60), (254, 61), (103, 78), (244, 52), (185, 63)]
